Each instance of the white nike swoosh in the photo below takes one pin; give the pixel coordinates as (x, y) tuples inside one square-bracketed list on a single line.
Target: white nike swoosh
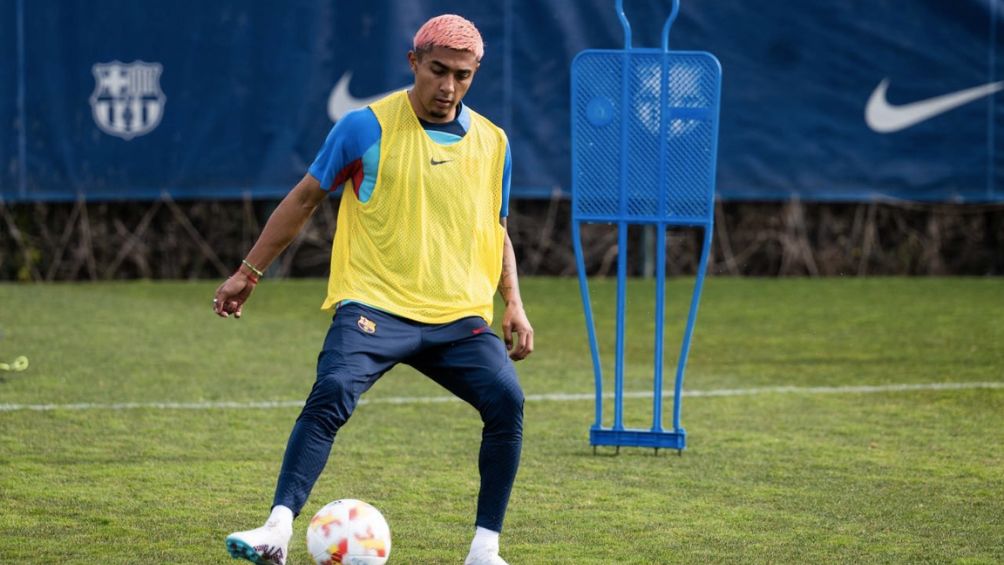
[(341, 102), (886, 118)]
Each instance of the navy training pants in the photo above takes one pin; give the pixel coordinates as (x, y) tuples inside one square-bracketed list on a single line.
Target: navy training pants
[(464, 357)]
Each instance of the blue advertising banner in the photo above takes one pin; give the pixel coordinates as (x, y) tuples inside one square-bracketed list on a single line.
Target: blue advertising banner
[(9, 159), (857, 100)]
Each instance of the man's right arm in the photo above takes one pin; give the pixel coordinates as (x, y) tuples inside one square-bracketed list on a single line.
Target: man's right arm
[(340, 159), (286, 221), (281, 228)]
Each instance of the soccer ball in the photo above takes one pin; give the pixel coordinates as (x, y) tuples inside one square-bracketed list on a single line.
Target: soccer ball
[(348, 532)]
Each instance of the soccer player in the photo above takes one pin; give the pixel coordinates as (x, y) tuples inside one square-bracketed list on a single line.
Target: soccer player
[(420, 249)]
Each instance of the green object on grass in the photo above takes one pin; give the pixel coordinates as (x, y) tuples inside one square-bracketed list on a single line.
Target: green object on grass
[(19, 364)]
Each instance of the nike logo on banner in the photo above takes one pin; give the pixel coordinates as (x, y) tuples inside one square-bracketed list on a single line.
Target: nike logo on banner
[(435, 162), (341, 102), (883, 117)]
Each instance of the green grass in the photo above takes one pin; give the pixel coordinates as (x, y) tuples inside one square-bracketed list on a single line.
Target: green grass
[(914, 476)]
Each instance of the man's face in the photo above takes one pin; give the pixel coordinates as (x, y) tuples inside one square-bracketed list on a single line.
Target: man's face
[(442, 77)]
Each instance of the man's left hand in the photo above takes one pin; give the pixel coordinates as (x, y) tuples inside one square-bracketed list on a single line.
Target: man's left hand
[(515, 322)]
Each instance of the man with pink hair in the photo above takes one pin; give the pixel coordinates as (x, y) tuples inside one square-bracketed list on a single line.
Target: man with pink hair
[(420, 250)]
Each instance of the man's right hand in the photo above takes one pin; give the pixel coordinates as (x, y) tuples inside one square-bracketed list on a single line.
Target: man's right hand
[(231, 295)]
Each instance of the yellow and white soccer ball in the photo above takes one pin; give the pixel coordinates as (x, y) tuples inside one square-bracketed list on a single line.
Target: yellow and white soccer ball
[(348, 532)]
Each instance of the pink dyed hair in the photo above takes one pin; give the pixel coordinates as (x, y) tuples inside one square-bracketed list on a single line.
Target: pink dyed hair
[(450, 31)]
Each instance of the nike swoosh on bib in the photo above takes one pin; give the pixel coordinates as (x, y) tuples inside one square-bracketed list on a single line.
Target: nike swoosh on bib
[(883, 117), (341, 102)]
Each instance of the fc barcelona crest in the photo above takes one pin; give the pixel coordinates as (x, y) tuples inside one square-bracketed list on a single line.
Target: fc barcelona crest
[(127, 101), (366, 325)]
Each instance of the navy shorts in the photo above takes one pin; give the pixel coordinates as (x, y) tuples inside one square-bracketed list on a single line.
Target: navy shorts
[(363, 343)]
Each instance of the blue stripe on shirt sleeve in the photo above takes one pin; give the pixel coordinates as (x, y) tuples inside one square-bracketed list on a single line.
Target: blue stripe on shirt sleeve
[(347, 141), (506, 180)]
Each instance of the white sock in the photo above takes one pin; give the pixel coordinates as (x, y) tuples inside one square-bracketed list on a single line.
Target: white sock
[(485, 540), (281, 517)]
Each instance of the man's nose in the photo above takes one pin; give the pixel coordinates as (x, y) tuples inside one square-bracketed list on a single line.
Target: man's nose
[(447, 85)]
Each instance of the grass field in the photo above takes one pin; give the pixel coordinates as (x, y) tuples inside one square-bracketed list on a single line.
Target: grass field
[(93, 470)]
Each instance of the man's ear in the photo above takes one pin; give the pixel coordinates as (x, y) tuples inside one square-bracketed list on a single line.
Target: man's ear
[(413, 61)]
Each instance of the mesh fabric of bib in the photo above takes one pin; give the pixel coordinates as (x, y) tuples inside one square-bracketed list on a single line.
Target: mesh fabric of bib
[(427, 245)]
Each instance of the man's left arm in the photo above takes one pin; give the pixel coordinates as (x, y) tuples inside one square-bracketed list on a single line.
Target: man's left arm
[(514, 321)]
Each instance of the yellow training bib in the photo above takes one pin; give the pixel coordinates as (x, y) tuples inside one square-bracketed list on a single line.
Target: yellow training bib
[(427, 245)]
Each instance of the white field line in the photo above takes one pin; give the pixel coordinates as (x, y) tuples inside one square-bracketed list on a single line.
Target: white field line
[(555, 397)]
